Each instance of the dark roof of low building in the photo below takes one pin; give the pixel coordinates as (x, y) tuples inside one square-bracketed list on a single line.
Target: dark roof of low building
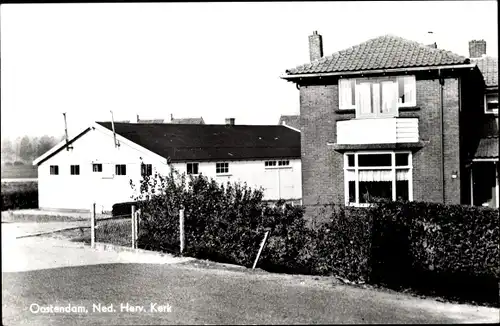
[(384, 52), (150, 120), (487, 148), (188, 142), (489, 68), (192, 121), (290, 120)]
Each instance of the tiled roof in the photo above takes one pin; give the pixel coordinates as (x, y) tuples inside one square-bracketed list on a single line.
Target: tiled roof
[(184, 142), (290, 120), (383, 52), (489, 68), (487, 148), (191, 121)]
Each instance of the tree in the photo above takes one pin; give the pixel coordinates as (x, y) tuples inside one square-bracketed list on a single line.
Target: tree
[(25, 149), (7, 147), (44, 144)]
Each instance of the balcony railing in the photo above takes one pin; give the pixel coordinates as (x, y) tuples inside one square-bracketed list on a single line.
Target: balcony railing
[(377, 131)]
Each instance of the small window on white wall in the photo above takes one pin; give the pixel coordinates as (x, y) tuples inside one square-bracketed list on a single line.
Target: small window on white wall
[(222, 168), (75, 170), (192, 168), (121, 169), (146, 169), (54, 169), (407, 91), (96, 167)]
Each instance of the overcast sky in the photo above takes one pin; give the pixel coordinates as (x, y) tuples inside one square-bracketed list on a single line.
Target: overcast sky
[(214, 60)]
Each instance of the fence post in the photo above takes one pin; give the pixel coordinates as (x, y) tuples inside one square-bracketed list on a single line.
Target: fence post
[(92, 226), (136, 227), (133, 226), (181, 229), (260, 250)]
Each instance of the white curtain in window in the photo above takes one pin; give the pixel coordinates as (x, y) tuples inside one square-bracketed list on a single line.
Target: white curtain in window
[(402, 175), (364, 95), (389, 97), (375, 175), (376, 97), (345, 94)]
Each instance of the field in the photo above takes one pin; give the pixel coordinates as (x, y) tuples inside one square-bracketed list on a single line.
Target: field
[(19, 171), (11, 187)]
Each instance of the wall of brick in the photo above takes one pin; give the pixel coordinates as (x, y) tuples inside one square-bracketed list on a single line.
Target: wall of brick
[(322, 167)]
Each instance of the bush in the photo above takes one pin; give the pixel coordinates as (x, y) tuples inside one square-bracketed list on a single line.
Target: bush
[(18, 163), (433, 248), (20, 200), (450, 250)]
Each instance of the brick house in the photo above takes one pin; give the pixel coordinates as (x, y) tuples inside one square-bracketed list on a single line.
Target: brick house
[(398, 119)]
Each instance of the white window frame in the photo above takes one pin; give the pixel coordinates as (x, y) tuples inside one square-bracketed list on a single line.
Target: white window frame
[(193, 164), (226, 167), (486, 104), (73, 169), (355, 106), (277, 164), (393, 169)]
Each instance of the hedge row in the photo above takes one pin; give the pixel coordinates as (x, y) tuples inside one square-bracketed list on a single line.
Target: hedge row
[(20, 200), (435, 249)]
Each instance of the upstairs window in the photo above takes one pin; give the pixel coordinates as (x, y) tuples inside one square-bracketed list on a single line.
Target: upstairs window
[(54, 169), (284, 163), (270, 163), (75, 169), (377, 97), (146, 169), (192, 168), (121, 169), (221, 168), (491, 103), (97, 167)]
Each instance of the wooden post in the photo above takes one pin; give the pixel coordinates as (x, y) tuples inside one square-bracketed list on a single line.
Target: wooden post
[(92, 226), (136, 226), (133, 226), (181, 229), (260, 250)]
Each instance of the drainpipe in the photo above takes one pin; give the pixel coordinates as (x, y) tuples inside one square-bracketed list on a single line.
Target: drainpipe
[(441, 83)]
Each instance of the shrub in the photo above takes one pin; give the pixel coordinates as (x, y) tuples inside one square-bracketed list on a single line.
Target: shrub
[(450, 250), (20, 200)]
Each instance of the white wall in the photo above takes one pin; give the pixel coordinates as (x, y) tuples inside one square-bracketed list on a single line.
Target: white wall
[(66, 191), (283, 182), (79, 191)]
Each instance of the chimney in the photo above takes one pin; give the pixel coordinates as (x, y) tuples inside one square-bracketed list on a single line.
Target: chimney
[(477, 48), (315, 46), (230, 121), (137, 119), (431, 40)]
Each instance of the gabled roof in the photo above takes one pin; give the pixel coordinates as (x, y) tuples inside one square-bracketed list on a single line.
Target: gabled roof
[(489, 68), (384, 52), (192, 121), (188, 142), (290, 120)]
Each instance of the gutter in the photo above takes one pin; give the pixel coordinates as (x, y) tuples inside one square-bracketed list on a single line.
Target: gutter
[(377, 71)]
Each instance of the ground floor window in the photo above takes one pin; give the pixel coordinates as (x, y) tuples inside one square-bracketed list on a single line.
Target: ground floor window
[(146, 169), (372, 175), (484, 184), (75, 169), (192, 168), (120, 169), (221, 168)]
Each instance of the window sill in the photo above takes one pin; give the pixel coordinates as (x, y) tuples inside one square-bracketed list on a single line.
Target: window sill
[(278, 167), (348, 111), (409, 108), (223, 175)]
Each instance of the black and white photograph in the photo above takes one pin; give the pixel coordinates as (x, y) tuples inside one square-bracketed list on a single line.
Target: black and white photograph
[(203, 163)]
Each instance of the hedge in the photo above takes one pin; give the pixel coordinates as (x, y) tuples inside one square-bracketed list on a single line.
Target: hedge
[(432, 248), (20, 200)]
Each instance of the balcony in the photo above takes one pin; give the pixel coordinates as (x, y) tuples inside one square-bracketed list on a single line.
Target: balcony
[(377, 131)]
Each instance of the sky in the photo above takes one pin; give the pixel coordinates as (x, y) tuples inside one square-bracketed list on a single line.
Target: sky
[(210, 60)]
